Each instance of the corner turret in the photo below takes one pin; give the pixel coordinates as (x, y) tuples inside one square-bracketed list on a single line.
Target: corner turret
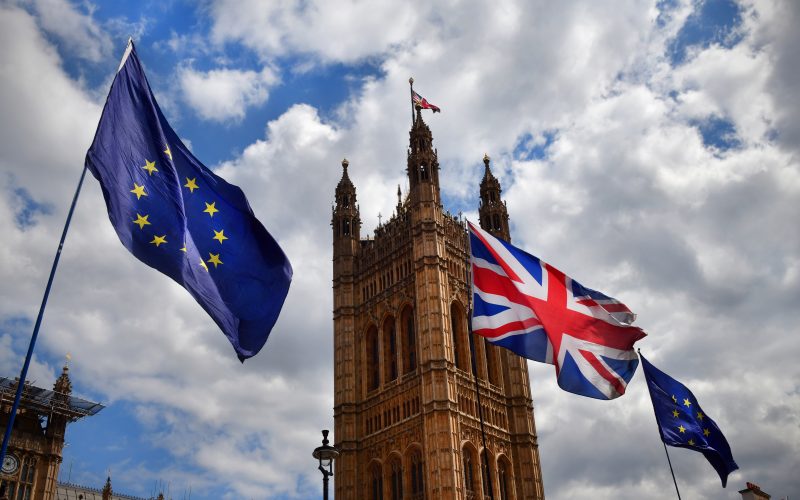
[(493, 212)]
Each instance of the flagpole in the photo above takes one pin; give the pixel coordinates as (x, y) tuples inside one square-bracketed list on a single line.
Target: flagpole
[(24, 373), (411, 85), (665, 448), (468, 273)]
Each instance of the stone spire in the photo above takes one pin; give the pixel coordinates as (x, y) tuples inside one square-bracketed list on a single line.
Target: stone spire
[(346, 221), (107, 491), (423, 163), (493, 212)]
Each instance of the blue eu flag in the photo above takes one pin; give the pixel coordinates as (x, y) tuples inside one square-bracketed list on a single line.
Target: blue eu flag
[(177, 216), (684, 424)]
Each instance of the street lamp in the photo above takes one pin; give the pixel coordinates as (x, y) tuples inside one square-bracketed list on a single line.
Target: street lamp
[(325, 454)]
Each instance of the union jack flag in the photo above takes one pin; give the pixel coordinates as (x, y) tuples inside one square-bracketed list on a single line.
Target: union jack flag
[(535, 310), (423, 103)]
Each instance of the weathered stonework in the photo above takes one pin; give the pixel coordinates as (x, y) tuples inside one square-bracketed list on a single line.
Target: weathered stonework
[(405, 404)]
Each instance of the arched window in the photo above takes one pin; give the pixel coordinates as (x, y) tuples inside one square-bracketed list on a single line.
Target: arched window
[(496, 222), (485, 475), (456, 325), (373, 360), (396, 477), (417, 476), (346, 227), (409, 340), (469, 472), (389, 349), (492, 371), (376, 481), (504, 479), (346, 200)]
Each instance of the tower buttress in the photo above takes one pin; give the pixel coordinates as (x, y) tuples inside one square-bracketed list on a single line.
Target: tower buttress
[(493, 212), (346, 224), (522, 427)]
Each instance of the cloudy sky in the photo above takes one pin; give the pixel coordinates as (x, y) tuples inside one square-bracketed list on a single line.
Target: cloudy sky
[(649, 149)]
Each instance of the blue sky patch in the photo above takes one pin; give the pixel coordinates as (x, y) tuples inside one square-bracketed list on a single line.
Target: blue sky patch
[(530, 148), (26, 209), (712, 22), (718, 133)]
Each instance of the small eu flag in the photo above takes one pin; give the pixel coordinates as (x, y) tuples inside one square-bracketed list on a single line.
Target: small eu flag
[(683, 423), (177, 216)]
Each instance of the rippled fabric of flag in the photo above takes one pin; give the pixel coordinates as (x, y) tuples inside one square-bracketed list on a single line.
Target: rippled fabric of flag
[(533, 309), (177, 216), (682, 423)]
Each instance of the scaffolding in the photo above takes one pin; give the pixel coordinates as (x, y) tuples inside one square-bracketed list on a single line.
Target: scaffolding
[(46, 402)]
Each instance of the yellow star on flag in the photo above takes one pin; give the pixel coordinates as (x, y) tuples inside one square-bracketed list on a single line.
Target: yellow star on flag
[(700, 415), (211, 209), (686, 402), (675, 413), (191, 184), (219, 235), (158, 240), (682, 429), (691, 442), (168, 152), (141, 220), (183, 248), (203, 265), (150, 166), (138, 191), (214, 259), (706, 432)]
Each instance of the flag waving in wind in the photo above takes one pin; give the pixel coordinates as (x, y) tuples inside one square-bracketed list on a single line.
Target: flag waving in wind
[(423, 103), (682, 423), (533, 309), (177, 216)]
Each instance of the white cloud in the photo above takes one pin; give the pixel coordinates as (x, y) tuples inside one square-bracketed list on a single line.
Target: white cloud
[(79, 31), (225, 94), (702, 245)]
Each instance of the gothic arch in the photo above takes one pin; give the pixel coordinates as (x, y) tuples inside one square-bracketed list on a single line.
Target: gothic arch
[(470, 469), (409, 339), (487, 469), (390, 348), (372, 357), (458, 328), (394, 475), (375, 480), (415, 467), (505, 478)]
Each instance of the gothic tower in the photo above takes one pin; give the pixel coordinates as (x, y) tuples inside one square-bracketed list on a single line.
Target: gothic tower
[(30, 469), (406, 410)]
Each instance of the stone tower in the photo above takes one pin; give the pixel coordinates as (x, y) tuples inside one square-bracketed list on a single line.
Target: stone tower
[(405, 405), (30, 469)]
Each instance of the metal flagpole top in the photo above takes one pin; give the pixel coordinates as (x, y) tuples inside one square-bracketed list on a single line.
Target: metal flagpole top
[(126, 54)]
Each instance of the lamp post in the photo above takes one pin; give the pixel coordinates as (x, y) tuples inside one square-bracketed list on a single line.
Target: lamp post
[(325, 454)]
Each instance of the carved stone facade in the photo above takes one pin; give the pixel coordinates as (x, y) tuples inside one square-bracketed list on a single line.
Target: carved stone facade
[(30, 469), (406, 408)]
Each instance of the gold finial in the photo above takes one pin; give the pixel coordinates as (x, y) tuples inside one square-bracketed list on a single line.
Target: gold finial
[(411, 81), (485, 158), (345, 163)]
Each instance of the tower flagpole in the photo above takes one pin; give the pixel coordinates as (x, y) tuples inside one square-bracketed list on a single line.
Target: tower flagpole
[(24, 372), (411, 86), (468, 271)]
